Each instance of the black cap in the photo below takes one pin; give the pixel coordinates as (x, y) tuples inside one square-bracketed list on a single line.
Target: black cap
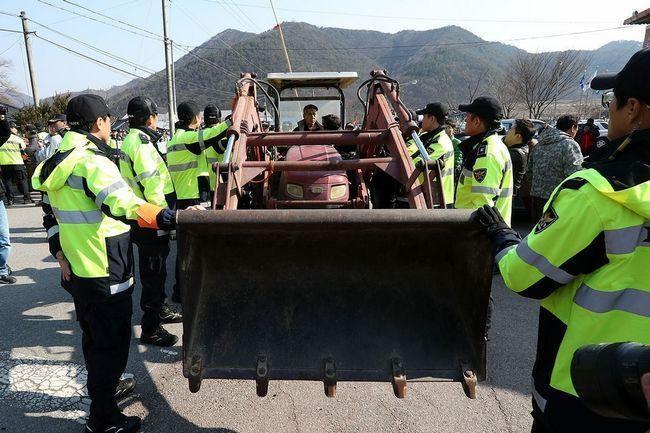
[(84, 109), (485, 107), (632, 81), (57, 118), (141, 107), (187, 111), (211, 114), (435, 109)]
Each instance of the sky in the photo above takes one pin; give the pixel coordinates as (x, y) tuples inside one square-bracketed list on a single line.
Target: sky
[(191, 22)]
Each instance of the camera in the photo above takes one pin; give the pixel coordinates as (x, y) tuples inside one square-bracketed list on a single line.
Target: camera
[(607, 378), (3, 110)]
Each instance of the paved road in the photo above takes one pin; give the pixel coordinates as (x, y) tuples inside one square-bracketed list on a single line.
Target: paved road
[(42, 375)]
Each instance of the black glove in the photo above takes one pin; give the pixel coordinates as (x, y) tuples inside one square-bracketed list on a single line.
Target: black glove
[(166, 219), (499, 232)]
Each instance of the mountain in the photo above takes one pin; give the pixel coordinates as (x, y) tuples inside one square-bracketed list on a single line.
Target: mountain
[(446, 62)]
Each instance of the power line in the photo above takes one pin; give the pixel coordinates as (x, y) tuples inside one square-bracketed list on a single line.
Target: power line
[(207, 62), (218, 37), (102, 22), (110, 18), (420, 18), (101, 10), (97, 49), (123, 71), (11, 46), (9, 14), (11, 31), (91, 58)]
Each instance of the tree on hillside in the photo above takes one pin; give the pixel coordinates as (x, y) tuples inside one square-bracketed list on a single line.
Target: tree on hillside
[(44, 112), (538, 80), (502, 89), (5, 84)]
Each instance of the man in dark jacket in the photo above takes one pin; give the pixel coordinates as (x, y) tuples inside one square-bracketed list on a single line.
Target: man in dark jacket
[(309, 122), (517, 140)]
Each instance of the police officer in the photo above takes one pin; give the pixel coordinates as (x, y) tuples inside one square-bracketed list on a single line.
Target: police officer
[(89, 207), (587, 258), (211, 117), (13, 166), (486, 177), (185, 161), (146, 173), (437, 144)]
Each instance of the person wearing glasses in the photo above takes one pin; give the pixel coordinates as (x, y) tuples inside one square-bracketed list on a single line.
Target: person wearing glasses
[(587, 258)]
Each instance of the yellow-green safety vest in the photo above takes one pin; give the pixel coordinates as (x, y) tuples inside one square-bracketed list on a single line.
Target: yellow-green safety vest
[(439, 146), (587, 224), (185, 166), (89, 198), (144, 169), (489, 181), (10, 151)]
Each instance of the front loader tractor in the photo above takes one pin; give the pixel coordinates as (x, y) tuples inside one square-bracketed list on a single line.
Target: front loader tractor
[(302, 270)]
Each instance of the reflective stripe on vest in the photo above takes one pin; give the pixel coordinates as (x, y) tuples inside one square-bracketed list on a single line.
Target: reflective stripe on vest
[(101, 196), (631, 301), (542, 264), (176, 147), (78, 216), (626, 240), (183, 167), (146, 175)]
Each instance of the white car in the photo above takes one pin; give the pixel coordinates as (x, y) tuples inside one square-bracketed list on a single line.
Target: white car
[(602, 126), (509, 123)]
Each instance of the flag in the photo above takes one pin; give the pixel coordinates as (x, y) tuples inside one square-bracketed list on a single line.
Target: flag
[(582, 82), (588, 84)]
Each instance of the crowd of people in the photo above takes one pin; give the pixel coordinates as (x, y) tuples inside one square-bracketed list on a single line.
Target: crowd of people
[(100, 198)]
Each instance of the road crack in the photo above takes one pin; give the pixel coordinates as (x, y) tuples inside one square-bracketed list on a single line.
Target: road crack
[(501, 408), (294, 415)]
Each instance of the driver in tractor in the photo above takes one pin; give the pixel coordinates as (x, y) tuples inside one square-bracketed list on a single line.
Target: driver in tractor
[(309, 122)]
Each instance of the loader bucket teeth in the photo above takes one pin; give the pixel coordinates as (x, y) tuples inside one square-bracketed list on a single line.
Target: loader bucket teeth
[(334, 295)]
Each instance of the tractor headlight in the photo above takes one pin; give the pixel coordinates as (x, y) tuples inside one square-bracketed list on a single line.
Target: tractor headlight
[(338, 191), (294, 191)]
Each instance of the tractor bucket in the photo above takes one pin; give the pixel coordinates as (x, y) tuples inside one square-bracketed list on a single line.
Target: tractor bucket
[(334, 295)]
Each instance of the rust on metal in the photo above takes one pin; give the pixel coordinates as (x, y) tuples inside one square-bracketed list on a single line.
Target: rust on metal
[(195, 374), (399, 378), (469, 380), (340, 138)]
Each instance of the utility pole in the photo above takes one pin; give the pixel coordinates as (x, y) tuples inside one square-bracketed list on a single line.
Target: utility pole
[(30, 66), (284, 46), (168, 69), (171, 43)]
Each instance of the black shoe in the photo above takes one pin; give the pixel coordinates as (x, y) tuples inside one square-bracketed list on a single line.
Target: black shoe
[(10, 203), (7, 279), (170, 315), (124, 387), (28, 201), (160, 337), (127, 424), (176, 297)]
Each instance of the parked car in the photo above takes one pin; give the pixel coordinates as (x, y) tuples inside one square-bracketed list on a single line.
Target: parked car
[(509, 123), (602, 126)]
